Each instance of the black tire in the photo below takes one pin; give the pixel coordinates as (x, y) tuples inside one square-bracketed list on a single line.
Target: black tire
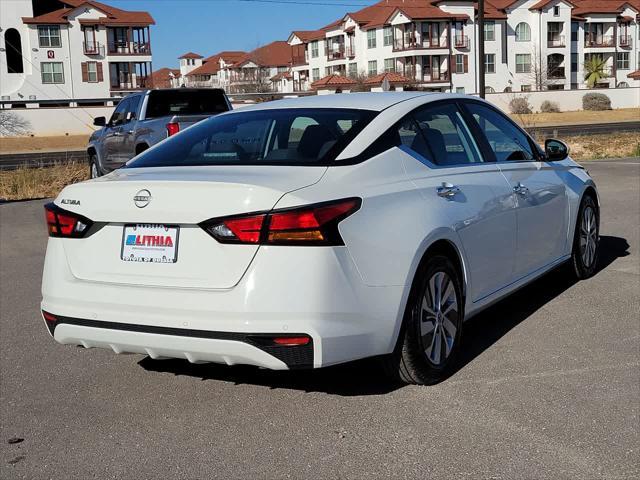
[(585, 265), (410, 363), (94, 168)]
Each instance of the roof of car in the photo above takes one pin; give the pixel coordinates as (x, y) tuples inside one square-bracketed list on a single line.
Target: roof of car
[(377, 101)]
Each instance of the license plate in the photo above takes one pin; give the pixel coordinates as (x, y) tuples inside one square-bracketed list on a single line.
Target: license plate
[(150, 243)]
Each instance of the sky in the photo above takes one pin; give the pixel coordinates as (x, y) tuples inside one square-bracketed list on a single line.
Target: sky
[(209, 26)]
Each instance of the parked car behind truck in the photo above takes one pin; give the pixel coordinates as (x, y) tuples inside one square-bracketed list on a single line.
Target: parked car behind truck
[(143, 119)]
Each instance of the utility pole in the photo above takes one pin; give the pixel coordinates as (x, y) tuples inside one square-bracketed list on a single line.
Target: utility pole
[(481, 47)]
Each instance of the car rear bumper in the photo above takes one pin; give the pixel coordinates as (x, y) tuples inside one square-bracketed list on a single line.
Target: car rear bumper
[(314, 291)]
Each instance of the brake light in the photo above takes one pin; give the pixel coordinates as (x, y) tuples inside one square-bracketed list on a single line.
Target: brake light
[(62, 223), (308, 225), (172, 128)]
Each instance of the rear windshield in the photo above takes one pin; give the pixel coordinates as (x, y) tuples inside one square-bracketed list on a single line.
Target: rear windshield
[(265, 137), (164, 103)]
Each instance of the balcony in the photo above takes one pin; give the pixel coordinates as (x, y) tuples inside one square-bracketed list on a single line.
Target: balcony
[(129, 48), (300, 60), (435, 76), (126, 82), (351, 52), (404, 44), (461, 41), (336, 54), (556, 41), (625, 41), (599, 41), (93, 48), (555, 73)]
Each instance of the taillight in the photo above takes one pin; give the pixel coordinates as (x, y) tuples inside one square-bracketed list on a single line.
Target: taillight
[(172, 128), (309, 225), (62, 223)]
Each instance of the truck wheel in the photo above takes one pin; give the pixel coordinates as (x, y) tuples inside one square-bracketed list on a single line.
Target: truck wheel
[(94, 171)]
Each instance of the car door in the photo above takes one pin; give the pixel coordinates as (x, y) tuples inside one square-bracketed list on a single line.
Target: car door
[(127, 142), (542, 206), (451, 173), (112, 139)]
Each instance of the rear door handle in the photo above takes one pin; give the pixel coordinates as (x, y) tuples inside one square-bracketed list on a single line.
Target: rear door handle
[(448, 190), (521, 189)]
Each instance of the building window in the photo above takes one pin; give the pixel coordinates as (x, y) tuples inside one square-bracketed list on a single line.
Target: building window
[(327, 71), (525, 88), (620, 85), (622, 60), (52, 72), (459, 63), (490, 63), (523, 63), (574, 86), (574, 62), (489, 31), (556, 87), (315, 74), (389, 65), (575, 27), (489, 90), (92, 71), (388, 36), (371, 38), (13, 51), (556, 11), (373, 67), (49, 36), (314, 49), (460, 90), (353, 70), (523, 32)]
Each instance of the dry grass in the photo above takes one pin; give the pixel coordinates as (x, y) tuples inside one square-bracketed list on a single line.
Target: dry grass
[(618, 145), (43, 144), (27, 183), (578, 117)]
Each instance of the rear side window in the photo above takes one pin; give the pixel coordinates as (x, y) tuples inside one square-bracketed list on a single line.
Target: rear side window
[(164, 103), (267, 137), (506, 140)]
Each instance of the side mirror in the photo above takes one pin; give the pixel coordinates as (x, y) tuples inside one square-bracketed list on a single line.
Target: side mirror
[(556, 150), (100, 121)]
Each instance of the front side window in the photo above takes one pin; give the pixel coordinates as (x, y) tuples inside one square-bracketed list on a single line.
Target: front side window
[(119, 114), (52, 72), (388, 36), (489, 31), (525, 88), (389, 65), (371, 38), (270, 137), (49, 36), (523, 32), (490, 63), (373, 67), (523, 63), (622, 60), (314, 49), (448, 140), (507, 141)]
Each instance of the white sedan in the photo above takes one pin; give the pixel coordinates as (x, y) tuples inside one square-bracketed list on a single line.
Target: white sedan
[(309, 232)]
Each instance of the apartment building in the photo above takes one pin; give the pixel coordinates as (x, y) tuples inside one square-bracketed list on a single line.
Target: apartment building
[(529, 44), (213, 71), (72, 49)]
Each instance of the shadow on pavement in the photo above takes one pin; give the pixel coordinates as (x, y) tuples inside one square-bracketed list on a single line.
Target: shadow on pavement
[(364, 377)]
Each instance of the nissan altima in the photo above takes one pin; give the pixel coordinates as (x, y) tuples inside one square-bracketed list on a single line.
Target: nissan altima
[(308, 232)]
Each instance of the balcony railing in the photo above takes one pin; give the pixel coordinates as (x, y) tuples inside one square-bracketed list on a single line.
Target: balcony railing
[(336, 54), (93, 48), (625, 41), (461, 41), (401, 44), (599, 41), (435, 77), (351, 52), (129, 48), (132, 82), (555, 41), (555, 73), (300, 59)]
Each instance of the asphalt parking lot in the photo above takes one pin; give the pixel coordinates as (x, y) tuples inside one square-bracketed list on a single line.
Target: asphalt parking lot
[(549, 388)]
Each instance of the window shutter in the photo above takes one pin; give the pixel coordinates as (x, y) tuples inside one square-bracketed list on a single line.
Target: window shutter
[(85, 72), (100, 75), (466, 63)]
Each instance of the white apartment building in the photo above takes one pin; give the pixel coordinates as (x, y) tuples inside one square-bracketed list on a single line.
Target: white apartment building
[(72, 50), (529, 44)]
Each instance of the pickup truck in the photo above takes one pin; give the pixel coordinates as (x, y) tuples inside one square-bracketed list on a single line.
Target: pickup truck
[(143, 119)]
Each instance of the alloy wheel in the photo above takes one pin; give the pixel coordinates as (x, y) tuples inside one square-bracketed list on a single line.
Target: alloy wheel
[(588, 237), (439, 317)]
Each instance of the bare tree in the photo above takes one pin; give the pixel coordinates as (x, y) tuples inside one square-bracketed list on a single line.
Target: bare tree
[(13, 125), (542, 74)]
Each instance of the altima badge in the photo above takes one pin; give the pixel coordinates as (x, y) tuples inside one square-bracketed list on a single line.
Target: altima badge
[(142, 198)]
